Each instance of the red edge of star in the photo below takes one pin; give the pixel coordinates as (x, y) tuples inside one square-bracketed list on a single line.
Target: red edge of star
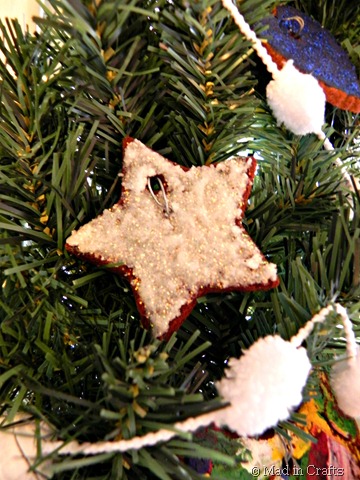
[(186, 309)]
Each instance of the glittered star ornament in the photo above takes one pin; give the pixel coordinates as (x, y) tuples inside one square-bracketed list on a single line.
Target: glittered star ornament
[(179, 242)]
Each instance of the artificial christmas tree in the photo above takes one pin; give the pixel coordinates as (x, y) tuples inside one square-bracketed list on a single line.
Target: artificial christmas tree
[(78, 373)]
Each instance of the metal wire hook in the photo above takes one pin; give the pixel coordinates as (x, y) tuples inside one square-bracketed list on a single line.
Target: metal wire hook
[(165, 206)]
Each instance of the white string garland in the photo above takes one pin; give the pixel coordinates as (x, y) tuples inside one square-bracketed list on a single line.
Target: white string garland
[(251, 36), (135, 443), (228, 411), (351, 345), (24, 442), (312, 126)]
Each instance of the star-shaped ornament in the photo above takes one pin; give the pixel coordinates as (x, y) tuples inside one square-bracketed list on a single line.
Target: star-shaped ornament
[(179, 241)]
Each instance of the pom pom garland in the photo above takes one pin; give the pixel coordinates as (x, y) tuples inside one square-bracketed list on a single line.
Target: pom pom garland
[(284, 109), (296, 105), (280, 102), (258, 394), (297, 100), (250, 35), (320, 317), (262, 393)]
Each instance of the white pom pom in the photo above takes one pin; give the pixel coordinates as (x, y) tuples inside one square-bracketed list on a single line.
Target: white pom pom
[(263, 386), (345, 382), (297, 100)]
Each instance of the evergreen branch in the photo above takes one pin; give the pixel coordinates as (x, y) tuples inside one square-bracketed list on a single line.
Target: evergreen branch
[(179, 77)]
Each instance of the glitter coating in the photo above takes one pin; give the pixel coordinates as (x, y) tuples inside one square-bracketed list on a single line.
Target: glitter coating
[(314, 51), (200, 246)]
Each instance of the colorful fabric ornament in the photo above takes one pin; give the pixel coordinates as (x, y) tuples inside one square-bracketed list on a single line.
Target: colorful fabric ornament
[(328, 459), (181, 242), (293, 35), (336, 454)]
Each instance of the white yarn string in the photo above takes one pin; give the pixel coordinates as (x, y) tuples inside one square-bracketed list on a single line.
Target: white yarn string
[(305, 331), (251, 36), (271, 66), (351, 345), (135, 443), (192, 424)]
